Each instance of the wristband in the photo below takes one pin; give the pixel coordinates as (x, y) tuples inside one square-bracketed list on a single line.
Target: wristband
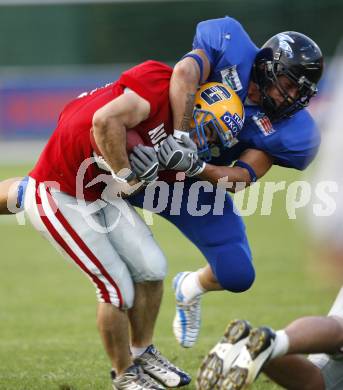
[(242, 164), (199, 61), (21, 192), (179, 133), (127, 178), (104, 165)]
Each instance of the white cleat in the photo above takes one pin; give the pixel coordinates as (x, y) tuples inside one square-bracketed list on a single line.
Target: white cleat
[(251, 360), (186, 324), (219, 360), (134, 379), (160, 368)]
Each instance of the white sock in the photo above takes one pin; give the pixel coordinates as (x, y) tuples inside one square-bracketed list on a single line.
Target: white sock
[(191, 287), (136, 351), (281, 344)]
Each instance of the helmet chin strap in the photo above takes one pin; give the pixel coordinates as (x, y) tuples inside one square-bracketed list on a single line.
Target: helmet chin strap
[(275, 112), (265, 101)]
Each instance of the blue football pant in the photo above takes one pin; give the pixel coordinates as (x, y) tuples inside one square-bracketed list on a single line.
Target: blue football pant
[(221, 238)]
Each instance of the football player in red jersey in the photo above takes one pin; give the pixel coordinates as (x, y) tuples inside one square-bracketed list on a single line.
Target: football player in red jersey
[(70, 200), (98, 235)]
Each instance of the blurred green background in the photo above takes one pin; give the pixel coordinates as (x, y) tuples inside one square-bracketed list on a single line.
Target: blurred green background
[(48, 338), (132, 32)]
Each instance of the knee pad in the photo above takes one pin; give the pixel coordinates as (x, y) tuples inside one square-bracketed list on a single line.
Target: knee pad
[(238, 279), (152, 264), (233, 268)]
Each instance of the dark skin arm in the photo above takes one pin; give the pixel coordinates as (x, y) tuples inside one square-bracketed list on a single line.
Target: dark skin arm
[(260, 162)]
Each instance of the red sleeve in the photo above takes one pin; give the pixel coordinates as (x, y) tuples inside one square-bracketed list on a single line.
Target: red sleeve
[(150, 80)]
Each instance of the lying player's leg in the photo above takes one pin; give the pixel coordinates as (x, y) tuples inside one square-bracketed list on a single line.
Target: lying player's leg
[(295, 372), (315, 335), (304, 335), (220, 358), (9, 195)]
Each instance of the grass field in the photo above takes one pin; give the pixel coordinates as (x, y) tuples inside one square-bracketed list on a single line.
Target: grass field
[(48, 337)]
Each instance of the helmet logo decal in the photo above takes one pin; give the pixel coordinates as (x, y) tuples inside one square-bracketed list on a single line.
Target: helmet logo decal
[(215, 94), (233, 123), (263, 123), (230, 77), (284, 45)]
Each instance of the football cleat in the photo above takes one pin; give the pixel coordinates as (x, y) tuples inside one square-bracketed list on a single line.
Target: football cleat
[(219, 360), (134, 378), (186, 324), (161, 369), (251, 359)]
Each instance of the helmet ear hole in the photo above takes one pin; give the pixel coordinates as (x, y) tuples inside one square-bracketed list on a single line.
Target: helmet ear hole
[(198, 106)]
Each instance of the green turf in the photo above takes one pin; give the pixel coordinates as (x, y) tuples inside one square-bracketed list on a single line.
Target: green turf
[(48, 337)]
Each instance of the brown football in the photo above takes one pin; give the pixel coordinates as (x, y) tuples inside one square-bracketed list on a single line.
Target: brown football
[(132, 139)]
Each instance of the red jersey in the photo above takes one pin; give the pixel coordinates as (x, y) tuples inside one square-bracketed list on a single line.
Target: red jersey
[(69, 145)]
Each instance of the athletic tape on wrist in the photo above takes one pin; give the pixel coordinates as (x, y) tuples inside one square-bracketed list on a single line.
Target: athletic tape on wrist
[(130, 176), (179, 133), (242, 164)]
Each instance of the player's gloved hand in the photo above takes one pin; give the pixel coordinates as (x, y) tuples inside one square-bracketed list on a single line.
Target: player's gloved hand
[(144, 163), (180, 155)]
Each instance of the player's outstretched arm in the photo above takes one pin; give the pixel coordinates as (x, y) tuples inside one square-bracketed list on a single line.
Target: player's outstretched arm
[(184, 83), (9, 195), (110, 123), (252, 165)]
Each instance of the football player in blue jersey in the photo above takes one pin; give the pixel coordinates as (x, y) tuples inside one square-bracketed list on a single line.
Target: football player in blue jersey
[(276, 83)]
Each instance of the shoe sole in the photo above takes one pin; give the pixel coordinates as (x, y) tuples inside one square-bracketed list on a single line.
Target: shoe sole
[(239, 378), (259, 341), (236, 380), (211, 372)]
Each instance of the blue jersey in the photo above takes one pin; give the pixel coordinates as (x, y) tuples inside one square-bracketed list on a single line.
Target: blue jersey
[(292, 142)]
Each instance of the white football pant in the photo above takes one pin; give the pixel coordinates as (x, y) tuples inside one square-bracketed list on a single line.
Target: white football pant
[(107, 240)]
